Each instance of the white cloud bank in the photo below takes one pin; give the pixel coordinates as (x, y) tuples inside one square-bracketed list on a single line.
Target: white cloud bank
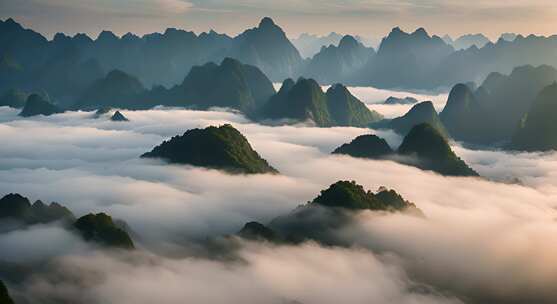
[(480, 240)]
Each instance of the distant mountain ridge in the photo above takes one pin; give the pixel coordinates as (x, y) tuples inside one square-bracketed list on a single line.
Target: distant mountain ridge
[(537, 130), (158, 58), (65, 66), (304, 100), (310, 44), (466, 41), (338, 63), (423, 112), (491, 113)]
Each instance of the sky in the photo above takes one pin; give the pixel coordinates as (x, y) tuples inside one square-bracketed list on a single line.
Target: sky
[(367, 18)]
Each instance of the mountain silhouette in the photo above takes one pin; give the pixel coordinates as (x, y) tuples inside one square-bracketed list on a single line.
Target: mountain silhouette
[(268, 48), (304, 100), (117, 116), (230, 84), (338, 63), (223, 148), (491, 114), (538, 128), (38, 105), (424, 147), (19, 208), (433, 152), (100, 228), (423, 112), (117, 89), (366, 146)]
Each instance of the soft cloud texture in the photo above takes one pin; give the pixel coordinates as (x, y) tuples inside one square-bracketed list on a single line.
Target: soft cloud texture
[(305, 274), (480, 239)]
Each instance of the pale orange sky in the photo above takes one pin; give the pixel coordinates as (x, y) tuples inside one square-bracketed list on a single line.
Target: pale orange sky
[(368, 18)]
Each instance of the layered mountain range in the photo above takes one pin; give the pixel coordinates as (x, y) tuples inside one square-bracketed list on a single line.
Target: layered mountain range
[(66, 66), (100, 228), (491, 113), (305, 100), (81, 73)]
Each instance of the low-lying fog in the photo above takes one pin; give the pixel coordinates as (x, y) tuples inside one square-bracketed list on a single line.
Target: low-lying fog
[(480, 239)]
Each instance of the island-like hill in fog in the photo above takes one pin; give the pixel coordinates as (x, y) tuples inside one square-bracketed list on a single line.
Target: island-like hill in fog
[(423, 147), (223, 148), (17, 212), (329, 212)]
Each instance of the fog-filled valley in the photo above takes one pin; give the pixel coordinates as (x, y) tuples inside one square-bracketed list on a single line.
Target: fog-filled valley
[(184, 167), (474, 230)]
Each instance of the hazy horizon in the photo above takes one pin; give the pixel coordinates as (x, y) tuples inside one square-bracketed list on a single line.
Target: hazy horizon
[(370, 19), (200, 169)]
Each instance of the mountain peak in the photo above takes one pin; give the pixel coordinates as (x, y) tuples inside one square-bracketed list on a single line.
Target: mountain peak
[(266, 22), (60, 37), (434, 152), (338, 87), (38, 105), (118, 117), (12, 23), (107, 35), (423, 112), (223, 148), (287, 84), (423, 107), (347, 41), (350, 195), (396, 30), (421, 32), (366, 146), (101, 228)]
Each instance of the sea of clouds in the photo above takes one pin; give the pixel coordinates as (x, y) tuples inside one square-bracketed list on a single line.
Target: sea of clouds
[(491, 239)]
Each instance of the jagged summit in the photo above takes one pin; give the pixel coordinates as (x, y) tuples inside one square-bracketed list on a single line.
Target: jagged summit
[(350, 195), (14, 206), (421, 32)]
